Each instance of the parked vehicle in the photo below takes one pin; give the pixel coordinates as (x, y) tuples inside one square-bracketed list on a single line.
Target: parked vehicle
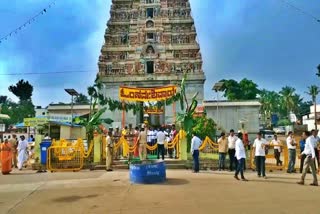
[(267, 134), (280, 130)]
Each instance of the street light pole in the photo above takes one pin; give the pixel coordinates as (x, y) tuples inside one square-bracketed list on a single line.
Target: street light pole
[(73, 93)]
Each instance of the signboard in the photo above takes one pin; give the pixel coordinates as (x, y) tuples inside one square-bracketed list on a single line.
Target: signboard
[(154, 110), (147, 94), (66, 118), (34, 121)]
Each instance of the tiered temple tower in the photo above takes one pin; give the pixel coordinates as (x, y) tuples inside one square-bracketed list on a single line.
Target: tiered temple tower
[(150, 43)]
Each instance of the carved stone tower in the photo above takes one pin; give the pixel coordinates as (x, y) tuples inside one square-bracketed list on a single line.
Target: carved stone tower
[(150, 43)]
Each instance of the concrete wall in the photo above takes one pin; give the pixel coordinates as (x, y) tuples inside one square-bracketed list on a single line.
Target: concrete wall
[(77, 132), (229, 117)]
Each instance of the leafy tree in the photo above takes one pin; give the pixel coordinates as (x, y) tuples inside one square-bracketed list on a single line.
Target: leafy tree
[(269, 104), (3, 99), (205, 127), (313, 92), (243, 90), (287, 99), (81, 99), (249, 89), (23, 90), (318, 73)]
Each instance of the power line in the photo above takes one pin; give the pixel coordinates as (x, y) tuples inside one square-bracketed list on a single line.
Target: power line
[(301, 10), (28, 22), (54, 72)]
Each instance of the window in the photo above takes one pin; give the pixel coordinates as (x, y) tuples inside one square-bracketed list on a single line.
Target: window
[(149, 1), (150, 36), (150, 67), (150, 13)]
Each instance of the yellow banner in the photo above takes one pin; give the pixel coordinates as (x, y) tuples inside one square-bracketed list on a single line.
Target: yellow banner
[(34, 121), (147, 94), (154, 110)]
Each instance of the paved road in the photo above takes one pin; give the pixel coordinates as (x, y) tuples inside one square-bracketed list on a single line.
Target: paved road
[(185, 192)]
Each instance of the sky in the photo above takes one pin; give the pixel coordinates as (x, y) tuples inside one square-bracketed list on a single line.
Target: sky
[(266, 41)]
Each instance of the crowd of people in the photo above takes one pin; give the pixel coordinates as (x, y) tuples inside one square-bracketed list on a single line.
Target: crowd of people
[(141, 137), (15, 152), (234, 146)]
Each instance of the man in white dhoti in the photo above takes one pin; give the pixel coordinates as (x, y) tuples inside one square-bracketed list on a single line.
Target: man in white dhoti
[(22, 152)]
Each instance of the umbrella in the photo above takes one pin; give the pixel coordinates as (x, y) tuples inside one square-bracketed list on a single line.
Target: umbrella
[(4, 116)]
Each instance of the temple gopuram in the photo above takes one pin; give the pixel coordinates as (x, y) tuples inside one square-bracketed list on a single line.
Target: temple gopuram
[(149, 45)]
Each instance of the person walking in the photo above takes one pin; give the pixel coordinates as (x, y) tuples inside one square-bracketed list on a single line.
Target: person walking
[(260, 155), (223, 148), (109, 151), (240, 154), (142, 142), (315, 140), (277, 149), (292, 146), (14, 145), (195, 144), (231, 150), (309, 160), (302, 144), (161, 136), (22, 152), (6, 157)]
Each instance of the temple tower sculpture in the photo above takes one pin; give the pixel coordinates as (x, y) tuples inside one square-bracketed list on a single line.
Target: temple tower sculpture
[(150, 43)]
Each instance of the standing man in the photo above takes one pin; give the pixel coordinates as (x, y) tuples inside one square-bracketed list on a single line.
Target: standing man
[(315, 140), (161, 136), (277, 149), (309, 160), (173, 134), (302, 144), (292, 145), (241, 158), (231, 146), (109, 151), (22, 152), (260, 155), (223, 148), (14, 146), (195, 144), (142, 142)]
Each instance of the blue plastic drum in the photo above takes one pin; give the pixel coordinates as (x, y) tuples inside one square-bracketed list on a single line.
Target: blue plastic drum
[(148, 173), (44, 145)]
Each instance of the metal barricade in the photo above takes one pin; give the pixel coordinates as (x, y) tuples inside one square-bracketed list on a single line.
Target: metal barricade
[(66, 157), (209, 149), (271, 161)]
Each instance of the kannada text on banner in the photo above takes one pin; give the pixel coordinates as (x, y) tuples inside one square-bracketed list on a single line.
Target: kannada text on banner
[(147, 94)]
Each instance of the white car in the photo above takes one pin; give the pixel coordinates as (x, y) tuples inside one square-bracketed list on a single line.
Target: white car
[(267, 134), (280, 130)]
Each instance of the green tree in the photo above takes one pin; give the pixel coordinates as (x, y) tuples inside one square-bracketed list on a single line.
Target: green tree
[(205, 127), (23, 90), (269, 104), (287, 99), (318, 73), (81, 99), (243, 90), (313, 92)]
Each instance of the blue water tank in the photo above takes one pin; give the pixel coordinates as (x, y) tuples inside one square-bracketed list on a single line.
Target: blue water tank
[(148, 173)]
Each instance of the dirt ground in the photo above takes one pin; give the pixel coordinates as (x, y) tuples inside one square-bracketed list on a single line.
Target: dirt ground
[(184, 192)]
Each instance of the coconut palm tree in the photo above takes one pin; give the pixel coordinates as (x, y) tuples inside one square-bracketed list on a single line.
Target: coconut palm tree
[(313, 92), (287, 98)]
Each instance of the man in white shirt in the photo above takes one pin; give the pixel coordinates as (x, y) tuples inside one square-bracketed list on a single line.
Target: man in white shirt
[(309, 160), (260, 155), (240, 154), (231, 150), (315, 140), (22, 152), (291, 144), (195, 144), (161, 136), (109, 151)]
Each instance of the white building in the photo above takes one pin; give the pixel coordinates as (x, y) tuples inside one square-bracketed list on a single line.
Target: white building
[(237, 115), (309, 119)]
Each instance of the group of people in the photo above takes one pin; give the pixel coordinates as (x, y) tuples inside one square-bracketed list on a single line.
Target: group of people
[(234, 146), (141, 137), (14, 153)]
